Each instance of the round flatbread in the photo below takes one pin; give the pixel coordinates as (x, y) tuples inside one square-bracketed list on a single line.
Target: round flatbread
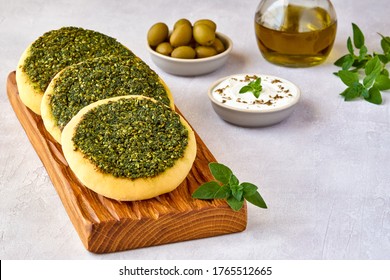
[(100, 78), (55, 50), (129, 148)]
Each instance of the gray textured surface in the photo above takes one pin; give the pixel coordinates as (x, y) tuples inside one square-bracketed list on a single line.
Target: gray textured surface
[(324, 172)]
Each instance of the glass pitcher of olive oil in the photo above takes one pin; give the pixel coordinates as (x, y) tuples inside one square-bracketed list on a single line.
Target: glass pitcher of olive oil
[(295, 33)]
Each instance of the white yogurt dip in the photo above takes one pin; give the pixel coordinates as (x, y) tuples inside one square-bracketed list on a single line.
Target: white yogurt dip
[(276, 93)]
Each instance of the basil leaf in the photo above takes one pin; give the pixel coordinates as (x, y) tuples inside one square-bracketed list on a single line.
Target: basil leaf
[(237, 190), (245, 89), (238, 194), (358, 64), (254, 87), (382, 82), (349, 46), (249, 189), (220, 172), (257, 200), (207, 190), (385, 43), (348, 63), (358, 37), (383, 58), (369, 80), (257, 83), (353, 92), (233, 181), (373, 66), (348, 77), (234, 203), (362, 53), (234, 193), (350, 94), (365, 93), (345, 92), (372, 70), (223, 192), (375, 96), (339, 62)]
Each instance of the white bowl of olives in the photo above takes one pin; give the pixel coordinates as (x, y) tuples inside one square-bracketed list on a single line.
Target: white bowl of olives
[(189, 49)]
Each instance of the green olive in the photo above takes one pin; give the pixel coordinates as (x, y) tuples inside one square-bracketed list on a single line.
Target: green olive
[(218, 45), (181, 36), (203, 34), (184, 52), (203, 51), (180, 22), (157, 34), (164, 48), (208, 22)]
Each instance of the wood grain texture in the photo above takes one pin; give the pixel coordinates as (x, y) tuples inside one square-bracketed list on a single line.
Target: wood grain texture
[(105, 225)]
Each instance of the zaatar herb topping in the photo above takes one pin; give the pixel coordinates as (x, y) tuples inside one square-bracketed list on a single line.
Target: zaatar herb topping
[(101, 78), (131, 138), (57, 49)]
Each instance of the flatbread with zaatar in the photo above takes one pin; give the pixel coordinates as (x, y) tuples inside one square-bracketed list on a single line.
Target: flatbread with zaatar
[(55, 50), (129, 147), (81, 84)]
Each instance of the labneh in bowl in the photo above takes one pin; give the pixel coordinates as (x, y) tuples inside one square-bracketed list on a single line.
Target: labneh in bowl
[(192, 67), (275, 103)]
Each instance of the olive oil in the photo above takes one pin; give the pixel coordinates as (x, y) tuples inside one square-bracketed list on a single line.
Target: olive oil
[(295, 36)]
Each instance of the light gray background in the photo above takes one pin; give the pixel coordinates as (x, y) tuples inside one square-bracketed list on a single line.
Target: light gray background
[(324, 172)]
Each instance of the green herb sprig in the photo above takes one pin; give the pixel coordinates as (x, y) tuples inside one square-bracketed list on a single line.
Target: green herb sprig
[(254, 87), (365, 74), (228, 187)]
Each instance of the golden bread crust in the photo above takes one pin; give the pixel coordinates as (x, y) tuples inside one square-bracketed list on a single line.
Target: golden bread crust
[(29, 93)]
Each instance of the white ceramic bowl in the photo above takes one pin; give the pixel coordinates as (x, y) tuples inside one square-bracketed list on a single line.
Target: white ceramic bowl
[(192, 67), (256, 116)]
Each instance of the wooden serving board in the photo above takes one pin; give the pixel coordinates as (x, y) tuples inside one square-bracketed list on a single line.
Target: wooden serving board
[(105, 225)]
